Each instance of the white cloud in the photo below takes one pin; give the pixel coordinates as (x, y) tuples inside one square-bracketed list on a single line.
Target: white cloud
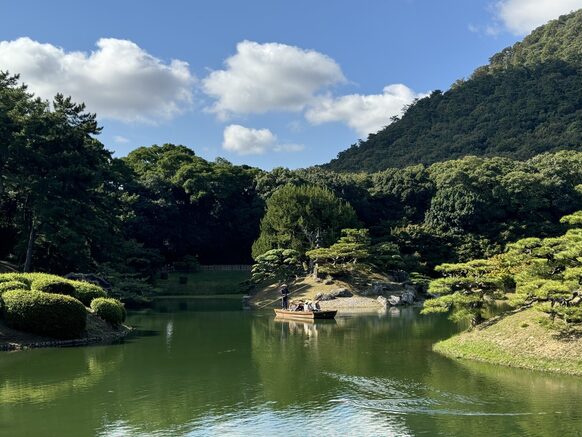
[(364, 113), (522, 16), (119, 80), (121, 140), (267, 77), (247, 141)]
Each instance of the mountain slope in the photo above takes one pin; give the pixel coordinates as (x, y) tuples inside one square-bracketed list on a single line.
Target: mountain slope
[(528, 100)]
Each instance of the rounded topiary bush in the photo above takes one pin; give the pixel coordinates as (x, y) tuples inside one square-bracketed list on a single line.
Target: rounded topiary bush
[(87, 291), (53, 284), (12, 285), (42, 313), (11, 277), (109, 309)]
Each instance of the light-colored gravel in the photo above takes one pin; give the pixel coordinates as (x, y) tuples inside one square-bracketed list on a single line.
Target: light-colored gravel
[(356, 303)]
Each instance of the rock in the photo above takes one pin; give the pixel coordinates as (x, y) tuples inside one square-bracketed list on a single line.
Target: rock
[(394, 300), (407, 298), (341, 292), (328, 282), (382, 301), (398, 275), (324, 296), (90, 277)]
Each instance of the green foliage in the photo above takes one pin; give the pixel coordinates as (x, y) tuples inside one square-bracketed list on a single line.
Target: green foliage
[(350, 252), (467, 290), (86, 291), (298, 216), (110, 310), (46, 314), (53, 284), (282, 265), (12, 285), (542, 272), (501, 110)]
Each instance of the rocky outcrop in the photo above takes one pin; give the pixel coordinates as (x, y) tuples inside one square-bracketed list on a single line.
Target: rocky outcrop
[(339, 292), (90, 277)]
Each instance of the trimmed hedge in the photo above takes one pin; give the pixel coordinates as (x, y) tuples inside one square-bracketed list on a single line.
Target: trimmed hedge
[(109, 309), (52, 315), (87, 291), (12, 285), (20, 277), (53, 284)]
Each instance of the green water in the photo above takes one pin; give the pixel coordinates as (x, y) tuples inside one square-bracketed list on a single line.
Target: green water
[(240, 373)]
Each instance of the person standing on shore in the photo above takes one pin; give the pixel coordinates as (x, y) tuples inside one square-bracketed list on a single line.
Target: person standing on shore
[(284, 296)]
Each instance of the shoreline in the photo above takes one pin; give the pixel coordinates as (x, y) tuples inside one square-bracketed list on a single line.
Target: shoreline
[(521, 340), (98, 332)]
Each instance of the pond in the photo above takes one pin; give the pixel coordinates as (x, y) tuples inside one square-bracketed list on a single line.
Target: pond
[(199, 370)]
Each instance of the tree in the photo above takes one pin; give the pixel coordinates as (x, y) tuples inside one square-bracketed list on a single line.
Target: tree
[(282, 265), (345, 255), (545, 273), (296, 217), (56, 181)]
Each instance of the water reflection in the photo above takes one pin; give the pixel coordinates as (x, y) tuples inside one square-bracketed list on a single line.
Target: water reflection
[(237, 373)]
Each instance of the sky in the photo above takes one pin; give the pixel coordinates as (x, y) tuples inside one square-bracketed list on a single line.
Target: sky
[(268, 83)]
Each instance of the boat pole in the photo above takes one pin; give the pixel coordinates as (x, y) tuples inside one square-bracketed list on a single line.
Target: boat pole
[(275, 300)]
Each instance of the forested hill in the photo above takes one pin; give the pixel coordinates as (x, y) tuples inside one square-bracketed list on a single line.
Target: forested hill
[(528, 100)]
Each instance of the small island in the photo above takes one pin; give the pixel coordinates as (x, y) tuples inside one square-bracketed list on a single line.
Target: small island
[(41, 310)]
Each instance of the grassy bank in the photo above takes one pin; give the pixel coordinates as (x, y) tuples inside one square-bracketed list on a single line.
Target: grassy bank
[(203, 283), (525, 339)]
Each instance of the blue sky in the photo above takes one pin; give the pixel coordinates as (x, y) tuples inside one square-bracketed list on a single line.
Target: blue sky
[(265, 83)]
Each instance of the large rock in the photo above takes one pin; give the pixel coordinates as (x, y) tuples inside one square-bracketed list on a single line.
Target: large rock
[(398, 275), (324, 296), (341, 292), (407, 298), (394, 300), (90, 277), (382, 301)]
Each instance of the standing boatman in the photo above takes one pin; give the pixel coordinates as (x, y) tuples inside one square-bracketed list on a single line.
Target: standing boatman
[(284, 296)]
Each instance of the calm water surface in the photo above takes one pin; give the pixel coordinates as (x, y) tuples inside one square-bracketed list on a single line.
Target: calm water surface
[(239, 373)]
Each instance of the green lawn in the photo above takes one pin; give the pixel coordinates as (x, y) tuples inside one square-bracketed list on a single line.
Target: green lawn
[(203, 283)]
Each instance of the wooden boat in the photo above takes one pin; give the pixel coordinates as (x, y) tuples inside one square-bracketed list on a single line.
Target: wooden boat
[(305, 315)]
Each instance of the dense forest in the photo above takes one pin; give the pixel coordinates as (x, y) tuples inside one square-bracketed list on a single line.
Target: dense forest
[(527, 101), (67, 205)]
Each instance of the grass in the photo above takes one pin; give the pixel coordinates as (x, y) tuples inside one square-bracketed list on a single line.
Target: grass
[(208, 283), (525, 339)]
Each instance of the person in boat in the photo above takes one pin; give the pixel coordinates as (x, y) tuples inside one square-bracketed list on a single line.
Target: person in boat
[(284, 290), (307, 306)]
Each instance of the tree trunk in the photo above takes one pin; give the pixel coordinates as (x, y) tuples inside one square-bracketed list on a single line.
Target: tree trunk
[(30, 246)]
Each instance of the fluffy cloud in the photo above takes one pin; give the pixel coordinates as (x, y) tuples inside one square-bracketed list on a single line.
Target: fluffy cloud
[(119, 80), (364, 113), (266, 77), (247, 141), (522, 16)]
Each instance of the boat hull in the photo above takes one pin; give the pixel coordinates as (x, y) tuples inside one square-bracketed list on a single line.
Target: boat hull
[(305, 315)]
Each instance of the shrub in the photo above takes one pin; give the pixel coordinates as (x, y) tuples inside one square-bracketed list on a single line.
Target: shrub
[(53, 284), (87, 291), (20, 277), (42, 313), (109, 309), (12, 285)]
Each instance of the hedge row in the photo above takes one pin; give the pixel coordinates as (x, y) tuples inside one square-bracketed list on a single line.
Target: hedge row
[(51, 305), (52, 315), (109, 309), (84, 291)]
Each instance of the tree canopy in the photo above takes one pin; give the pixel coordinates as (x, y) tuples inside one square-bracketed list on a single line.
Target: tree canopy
[(525, 102)]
